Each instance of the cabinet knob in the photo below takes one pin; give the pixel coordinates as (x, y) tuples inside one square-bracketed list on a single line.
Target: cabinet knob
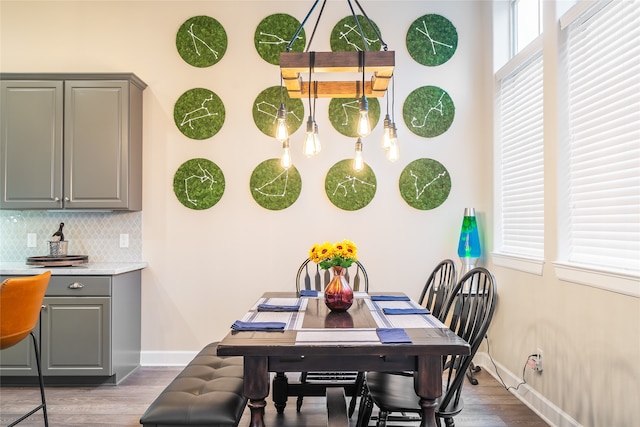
[(76, 285), (56, 199), (66, 199)]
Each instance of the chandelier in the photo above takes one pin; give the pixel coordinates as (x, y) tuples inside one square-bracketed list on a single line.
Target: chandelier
[(377, 65)]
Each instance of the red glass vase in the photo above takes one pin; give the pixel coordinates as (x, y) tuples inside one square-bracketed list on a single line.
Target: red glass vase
[(338, 295)]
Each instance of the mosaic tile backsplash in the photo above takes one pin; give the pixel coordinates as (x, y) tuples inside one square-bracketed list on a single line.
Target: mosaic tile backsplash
[(96, 234)]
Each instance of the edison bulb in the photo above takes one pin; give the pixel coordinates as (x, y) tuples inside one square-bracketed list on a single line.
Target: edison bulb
[(282, 133), (364, 127), (285, 160), (358, 161)]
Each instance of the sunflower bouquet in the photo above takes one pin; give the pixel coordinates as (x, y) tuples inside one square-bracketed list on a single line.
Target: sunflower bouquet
[(338, 254)]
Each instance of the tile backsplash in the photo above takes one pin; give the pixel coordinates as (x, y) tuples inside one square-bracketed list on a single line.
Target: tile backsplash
[(96, 234)]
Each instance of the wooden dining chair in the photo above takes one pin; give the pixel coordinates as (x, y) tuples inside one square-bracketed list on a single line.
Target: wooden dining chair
[(468, 312), (438, 287), (310, 277), (313, 278), (20, 304)]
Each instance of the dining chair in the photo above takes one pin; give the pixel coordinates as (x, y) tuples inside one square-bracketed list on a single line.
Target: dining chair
[(20, 304), (310, 277), (438, 287), (468, 312)]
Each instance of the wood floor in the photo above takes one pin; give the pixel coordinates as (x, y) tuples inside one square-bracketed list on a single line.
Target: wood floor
[(486, 405)]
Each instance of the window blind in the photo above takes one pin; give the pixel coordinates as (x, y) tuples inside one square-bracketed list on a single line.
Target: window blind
[(603, 173), (521, 168)]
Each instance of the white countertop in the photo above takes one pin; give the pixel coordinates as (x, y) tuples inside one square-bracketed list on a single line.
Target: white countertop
[(91, 268)]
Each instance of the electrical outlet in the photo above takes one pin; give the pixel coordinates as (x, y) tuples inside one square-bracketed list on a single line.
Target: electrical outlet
[(124, 240), (535, 361), (538, 367), (32, 240)]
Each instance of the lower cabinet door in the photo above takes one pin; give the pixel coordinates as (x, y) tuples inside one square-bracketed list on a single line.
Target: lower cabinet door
[(20, 359), (76, 336)]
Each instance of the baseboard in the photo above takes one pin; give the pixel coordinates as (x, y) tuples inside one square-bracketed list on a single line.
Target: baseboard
[(166, 358), (545, 409)]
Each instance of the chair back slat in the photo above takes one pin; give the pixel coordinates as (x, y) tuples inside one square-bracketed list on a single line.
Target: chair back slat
[(307, 277)]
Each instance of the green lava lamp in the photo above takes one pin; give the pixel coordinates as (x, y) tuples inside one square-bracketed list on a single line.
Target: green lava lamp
[(469, 244)]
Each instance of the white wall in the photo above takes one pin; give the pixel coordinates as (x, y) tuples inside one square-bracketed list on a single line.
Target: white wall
[(207, 267)]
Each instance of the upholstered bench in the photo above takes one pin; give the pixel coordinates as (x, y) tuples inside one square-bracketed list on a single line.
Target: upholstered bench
[(208, 392)]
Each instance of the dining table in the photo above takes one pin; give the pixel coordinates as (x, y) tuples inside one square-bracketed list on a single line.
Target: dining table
[(381, 331)]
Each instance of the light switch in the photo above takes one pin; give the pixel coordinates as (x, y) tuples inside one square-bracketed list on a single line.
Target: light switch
[(124, 240), (32, 240)]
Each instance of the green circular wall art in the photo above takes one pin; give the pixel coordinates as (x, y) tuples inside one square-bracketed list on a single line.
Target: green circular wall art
[(265, 110), (425, 184), (198, 184), (432, 40), (345, 112), (428, 111), (274, 187), (201, 41), (347, 189), (274, 33), (345, 35), (199, 113)]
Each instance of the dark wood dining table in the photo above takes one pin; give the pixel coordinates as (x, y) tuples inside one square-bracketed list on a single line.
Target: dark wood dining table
[(288, 351)]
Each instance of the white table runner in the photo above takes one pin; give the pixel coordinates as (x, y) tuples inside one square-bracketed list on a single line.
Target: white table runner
[(337, 336)]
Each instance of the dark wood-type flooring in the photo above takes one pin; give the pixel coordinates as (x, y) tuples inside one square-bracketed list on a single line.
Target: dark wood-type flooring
[(487, 404)]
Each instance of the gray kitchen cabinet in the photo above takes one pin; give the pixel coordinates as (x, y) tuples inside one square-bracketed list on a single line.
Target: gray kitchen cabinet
[(71, 141), (89, 332)]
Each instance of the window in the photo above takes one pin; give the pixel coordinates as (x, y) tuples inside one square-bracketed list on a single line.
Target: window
[(526, 18), (600, 193), (519, 146), (521, 170)]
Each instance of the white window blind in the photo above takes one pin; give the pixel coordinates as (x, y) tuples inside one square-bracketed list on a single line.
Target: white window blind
[(603, 170), (521, 168)]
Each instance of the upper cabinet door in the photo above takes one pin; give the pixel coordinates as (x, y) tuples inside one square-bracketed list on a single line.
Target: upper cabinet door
[(31, 126), (96, 144), (71, 141)]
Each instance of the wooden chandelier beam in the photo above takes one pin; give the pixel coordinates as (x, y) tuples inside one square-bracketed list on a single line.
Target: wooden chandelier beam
[(294, 65)]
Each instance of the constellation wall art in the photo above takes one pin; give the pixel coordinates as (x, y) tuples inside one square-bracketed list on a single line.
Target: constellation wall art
[(432, 40), (274, 33), (428, 111), (425, 184), (344, 114), (199, 113), (198, 184), (345, 35), (347, 189), (201, 41), (274, 187), (265, 110)]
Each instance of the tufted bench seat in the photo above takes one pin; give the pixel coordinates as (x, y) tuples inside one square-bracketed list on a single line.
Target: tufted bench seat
[(208, 392)]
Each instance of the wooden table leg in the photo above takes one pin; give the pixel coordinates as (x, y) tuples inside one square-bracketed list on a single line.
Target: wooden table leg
[(280, 391), (428, 385), (256, 387)]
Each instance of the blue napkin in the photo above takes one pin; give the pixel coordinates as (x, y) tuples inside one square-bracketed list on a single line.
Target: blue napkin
[(271, 307), (393, 335), (405, 311), (308, 293), (239, 325), (390, 298)]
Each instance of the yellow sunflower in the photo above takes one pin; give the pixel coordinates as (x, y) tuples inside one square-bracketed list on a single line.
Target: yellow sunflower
[(350, 250), (314, 253), (326, 251)]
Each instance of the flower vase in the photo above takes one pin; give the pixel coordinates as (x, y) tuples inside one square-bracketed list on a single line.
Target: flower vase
[(338, 295)]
